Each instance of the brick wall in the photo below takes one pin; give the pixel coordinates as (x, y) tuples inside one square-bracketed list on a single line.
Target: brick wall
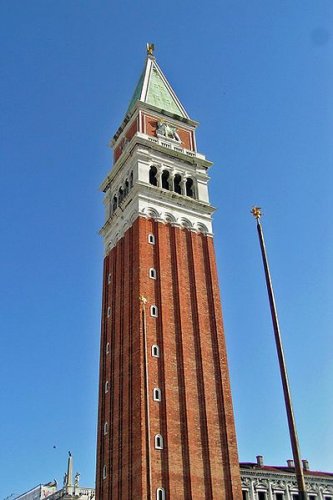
[(195, 415)]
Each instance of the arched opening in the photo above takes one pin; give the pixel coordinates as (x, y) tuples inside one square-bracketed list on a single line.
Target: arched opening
[(157, 394), (126, 190), (152, 176), (165, 179), (152, 273), (153, 311), (176, 184), (151, 239), (158, 442), (160, 494), (120, 195), (190, 187), (114, 203), (155, 351), (131, 180)]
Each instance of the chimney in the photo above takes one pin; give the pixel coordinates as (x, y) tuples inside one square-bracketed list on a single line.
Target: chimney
[(291, 464), (260, 460), (306, 465)]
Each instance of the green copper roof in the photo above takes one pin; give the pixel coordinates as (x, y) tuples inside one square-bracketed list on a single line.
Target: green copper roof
[(137, 91), (159, 95), (153, 88)]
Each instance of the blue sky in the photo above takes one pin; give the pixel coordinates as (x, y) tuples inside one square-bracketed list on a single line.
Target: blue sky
[(258, 77)]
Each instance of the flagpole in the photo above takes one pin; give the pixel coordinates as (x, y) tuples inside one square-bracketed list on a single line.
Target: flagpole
[(256, 212)]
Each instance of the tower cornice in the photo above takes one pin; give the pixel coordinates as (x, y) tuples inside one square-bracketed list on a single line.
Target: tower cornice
[(161, 205)]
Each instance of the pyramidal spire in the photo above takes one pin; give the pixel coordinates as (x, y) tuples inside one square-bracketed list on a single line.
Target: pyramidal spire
[(153, 88)]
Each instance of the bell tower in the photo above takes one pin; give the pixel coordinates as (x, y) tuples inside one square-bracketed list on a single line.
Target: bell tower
[(165, 421)]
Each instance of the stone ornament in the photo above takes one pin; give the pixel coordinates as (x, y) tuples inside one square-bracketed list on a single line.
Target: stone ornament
[(167, 131)]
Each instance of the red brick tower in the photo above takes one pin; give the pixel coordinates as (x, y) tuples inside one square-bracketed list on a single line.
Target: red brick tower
[(165, 424)]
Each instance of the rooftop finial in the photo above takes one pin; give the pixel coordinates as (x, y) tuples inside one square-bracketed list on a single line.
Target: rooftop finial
[(150, 49), (256, 212), (143, 299)]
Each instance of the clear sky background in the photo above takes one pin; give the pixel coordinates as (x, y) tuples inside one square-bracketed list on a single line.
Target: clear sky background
[(258, 75)]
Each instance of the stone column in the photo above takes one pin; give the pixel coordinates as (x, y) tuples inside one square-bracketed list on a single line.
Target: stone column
[(183, 185), (159, 176), (171, 181)]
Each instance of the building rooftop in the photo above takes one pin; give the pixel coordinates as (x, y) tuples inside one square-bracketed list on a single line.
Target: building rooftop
[(284, 469)]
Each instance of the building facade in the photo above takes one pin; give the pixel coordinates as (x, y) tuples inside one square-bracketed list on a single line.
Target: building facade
[(165, 424), (70, 489), (39, 492), (259, 482), (266, 482)]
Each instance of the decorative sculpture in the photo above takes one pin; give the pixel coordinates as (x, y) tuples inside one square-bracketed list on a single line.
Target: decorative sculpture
[(167, 131), (150, 49), (77, 479)]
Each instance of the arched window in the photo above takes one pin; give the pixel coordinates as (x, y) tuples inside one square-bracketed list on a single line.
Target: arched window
[(131, 180), (126, 189), (107, 349), (109, 278), (104, 472), (151, 239), (120, 195), (190, 187), (165, 179), (158, 442), (106, 387), (105, 428), (152, 176), (160, 494), (176, 184), (114, 203), (153, 311), (155, 351), (157, 394), (152, 273), (109, 312), (262, 496)]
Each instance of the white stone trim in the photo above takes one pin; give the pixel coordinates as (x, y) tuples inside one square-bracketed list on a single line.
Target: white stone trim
[(254, 480), (143, 143), (188, 213), (149, 67), (145, 200)]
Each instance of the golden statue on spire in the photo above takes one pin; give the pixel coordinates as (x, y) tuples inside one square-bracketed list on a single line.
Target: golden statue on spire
[(150, 49), (143, 299), (256, 212)]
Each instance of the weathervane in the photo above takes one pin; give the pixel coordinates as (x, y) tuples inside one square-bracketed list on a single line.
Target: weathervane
[(150, 49), (256, 212)]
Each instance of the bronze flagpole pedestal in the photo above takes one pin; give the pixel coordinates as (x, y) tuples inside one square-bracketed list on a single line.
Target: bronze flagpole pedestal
[(256, 212)]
